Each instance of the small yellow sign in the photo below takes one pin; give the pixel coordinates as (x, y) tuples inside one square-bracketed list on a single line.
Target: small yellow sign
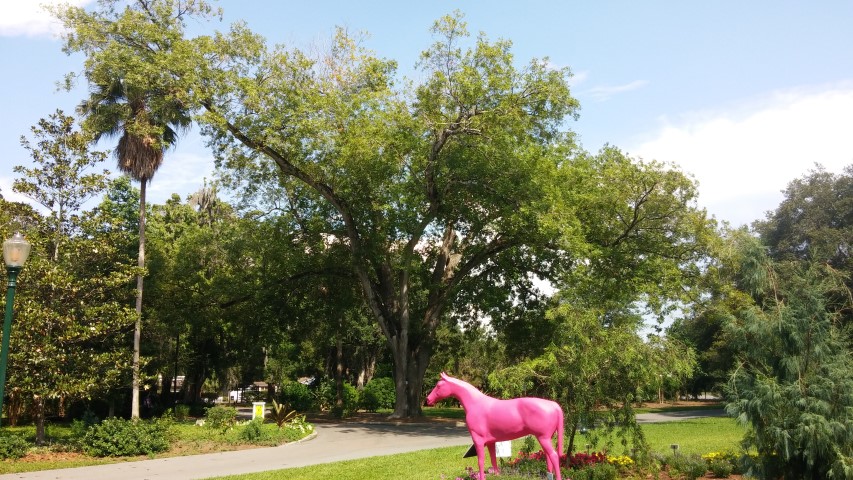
[(258, 409)]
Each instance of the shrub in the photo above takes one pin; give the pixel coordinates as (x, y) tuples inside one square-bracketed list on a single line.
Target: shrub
[(720, 468), (297, 396), (220, 417), (721, 464), (691, 466), (80, 426), (182, 412), (599, 471), (13, 446), (281, 414), (253, 431), (350, 402), (378, 393), (116, 437)]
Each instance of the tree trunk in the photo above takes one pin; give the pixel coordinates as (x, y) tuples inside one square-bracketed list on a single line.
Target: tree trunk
[(573, 428), (367, 371), (38, 413), (410, 364), (15, 406), (137, 331), (339, 373)]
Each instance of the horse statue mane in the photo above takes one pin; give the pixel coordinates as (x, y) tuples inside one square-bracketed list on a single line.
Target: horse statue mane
[(491, 420)]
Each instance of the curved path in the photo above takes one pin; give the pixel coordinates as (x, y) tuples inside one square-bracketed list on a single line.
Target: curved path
[(333, 442), (679, 415)]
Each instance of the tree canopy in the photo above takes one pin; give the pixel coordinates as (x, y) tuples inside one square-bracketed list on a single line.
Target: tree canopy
[(448, 196)]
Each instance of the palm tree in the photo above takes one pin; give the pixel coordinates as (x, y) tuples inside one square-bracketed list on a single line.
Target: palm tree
[(147, 124)]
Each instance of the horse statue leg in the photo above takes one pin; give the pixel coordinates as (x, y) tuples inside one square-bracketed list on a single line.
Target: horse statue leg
[(494, 457), (481, 460), (551, 456)]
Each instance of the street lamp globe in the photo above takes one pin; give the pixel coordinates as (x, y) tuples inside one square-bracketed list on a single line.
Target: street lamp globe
[(15, 251)]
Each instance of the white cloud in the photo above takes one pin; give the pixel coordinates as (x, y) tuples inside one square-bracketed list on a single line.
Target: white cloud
[(29, 17), (604, 92), (744, 156), (578, 78)]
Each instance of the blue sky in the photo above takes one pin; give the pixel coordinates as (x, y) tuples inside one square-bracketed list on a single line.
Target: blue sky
[(745, 96)]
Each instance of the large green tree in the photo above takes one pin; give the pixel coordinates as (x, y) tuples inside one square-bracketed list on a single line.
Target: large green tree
[(432, 191), (448, 197), (793, 378), (72, 299)]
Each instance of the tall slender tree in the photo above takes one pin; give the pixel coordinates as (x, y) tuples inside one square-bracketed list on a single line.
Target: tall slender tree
[(132, 96), (116, 108)]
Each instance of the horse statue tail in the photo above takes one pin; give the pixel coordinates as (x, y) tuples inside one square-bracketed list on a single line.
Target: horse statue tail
[(560, 432)]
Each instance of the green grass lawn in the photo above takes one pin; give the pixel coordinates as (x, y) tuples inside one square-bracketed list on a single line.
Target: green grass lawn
[(693, 436)]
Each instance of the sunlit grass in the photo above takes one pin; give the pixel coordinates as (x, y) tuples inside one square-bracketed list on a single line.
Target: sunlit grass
[(693, 436)]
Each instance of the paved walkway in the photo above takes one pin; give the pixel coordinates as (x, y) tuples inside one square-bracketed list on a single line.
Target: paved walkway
[(679, 415), (333, 442)]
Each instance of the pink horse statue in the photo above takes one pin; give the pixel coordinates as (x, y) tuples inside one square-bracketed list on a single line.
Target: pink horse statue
[(492, 420)]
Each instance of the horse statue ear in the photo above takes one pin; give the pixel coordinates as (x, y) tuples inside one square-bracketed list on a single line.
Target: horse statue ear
[(444, 375)]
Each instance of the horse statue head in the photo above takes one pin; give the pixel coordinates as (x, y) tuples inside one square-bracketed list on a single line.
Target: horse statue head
[(442, 390)]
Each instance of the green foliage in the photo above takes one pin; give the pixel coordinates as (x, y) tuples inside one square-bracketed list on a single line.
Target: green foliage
[(220, 417), (70, 345), (116, 437), (80, 427), (281, 414), (720, 468), (591, 365), (528, 445), (182, 412), (63, 178), (378, 393), (252, 432), (793, 385), (690, 466), (13, 446), (599, 471), (297, 396), (386, 180), (350, 398)]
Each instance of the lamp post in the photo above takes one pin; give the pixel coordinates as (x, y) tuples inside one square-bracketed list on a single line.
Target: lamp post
[(15, 253)]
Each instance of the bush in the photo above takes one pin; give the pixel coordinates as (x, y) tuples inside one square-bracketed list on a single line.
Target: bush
[(691, 466), (253, 431), (720, 468), (281, 413), (220, 417), (80, 426), (350, 402), (297, 396), (182, 412), (116, 437), (326, 398), (378, 393), (721, 464), (13, 446), (599, 471)]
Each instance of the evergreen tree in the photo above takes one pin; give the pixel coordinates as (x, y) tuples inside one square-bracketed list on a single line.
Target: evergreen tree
[(793, 381)]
